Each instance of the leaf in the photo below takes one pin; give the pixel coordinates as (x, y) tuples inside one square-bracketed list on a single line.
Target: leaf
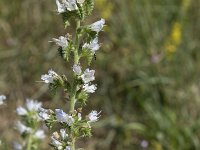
[(88, 54), (88, 7), (66, 52), (82, 97)]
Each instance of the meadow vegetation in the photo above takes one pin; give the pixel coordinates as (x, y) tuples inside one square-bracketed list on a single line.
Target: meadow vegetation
[(148, 72)]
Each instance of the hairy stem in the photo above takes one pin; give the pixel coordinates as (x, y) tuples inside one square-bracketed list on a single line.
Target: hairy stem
[(72, 103), (29, 144), (74, 88), (76, 61), (73, 144)]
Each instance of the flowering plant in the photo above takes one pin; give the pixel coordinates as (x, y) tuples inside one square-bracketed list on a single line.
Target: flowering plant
[(84, 45), (28, 126)]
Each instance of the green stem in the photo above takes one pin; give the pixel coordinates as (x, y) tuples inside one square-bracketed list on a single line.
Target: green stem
[(29, 142), (73, 144), (72, 103), (76, 61), (74, 88)]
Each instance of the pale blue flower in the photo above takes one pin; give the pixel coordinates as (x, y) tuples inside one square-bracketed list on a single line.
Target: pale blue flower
[(63, 134), (21, 111), (33, 105), (50, 77), (39, 134), (55, 142), (77, 69), (79, 116), (17, 146), (43, 114), (60, 7), (89, 88), (70, 5), (93, 45), (22, 128), (70, 120), (88, 76), (144, 144), (61, 41), (93, 116), (61, 116), (97, 26)]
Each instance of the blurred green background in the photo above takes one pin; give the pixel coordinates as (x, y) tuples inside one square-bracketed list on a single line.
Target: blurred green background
[(147, 71)]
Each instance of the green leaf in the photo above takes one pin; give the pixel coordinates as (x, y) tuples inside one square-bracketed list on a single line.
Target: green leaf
[(82, 97), (66, 52), (88, 55), (81, 129), (88, 7), (80, 12)]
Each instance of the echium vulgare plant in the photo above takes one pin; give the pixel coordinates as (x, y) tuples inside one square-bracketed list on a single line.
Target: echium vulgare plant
[(28, 126), (79, 49)]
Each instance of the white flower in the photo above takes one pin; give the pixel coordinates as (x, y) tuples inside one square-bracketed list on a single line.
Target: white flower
[(77, 69), (70, 5), (17, 146), (67, 148), (43, 114), (33, 105), (93, 116), (144, 144), (55, 142), (89, 88), (21, 111), (61, 41), (49, 78), (70, 120), (79, 116), (60, 7), (39, 134), (22, 128), (88, 75), (63, 134), (2, 98), (93, 45), (97, 26), (61, 116)]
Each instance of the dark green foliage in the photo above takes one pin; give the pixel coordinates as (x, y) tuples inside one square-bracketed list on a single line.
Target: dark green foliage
[(88, 55), (50, 122), (81, 129), (66, 52), (80, 12), (88, 7), (82, 97)]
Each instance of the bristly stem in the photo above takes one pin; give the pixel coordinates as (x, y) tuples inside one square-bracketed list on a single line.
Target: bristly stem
[(76, 61), (29, 142), (74, 87), (73, 144)]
